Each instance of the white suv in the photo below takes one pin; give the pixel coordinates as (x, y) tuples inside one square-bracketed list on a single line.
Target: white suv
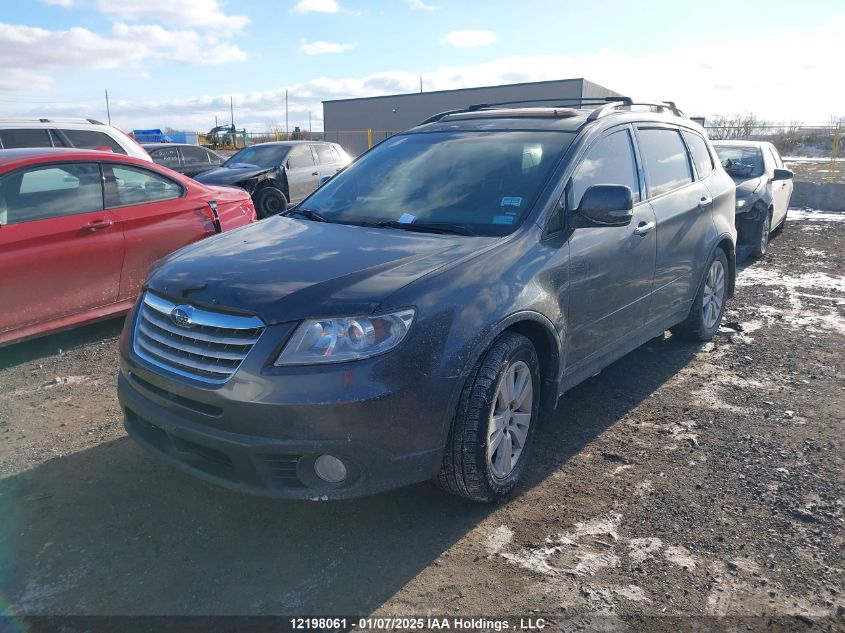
[(66, 132)]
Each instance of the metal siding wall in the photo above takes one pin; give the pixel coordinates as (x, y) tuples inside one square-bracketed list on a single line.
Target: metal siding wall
[(377, 113)]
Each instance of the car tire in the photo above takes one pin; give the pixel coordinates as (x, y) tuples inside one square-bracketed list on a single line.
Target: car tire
[(270, 201), (764, 232), (484, 420), (705, 317)]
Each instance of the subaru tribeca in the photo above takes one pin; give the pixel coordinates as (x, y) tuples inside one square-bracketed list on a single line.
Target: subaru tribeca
[(413, 317)]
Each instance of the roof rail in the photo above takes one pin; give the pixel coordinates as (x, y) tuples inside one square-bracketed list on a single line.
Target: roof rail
[(566, 102), (615, 104)]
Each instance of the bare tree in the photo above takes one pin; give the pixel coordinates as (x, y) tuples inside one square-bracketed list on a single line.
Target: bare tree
[(734, 126)]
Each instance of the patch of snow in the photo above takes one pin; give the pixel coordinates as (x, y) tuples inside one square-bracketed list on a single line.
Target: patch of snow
[(680, 556), (499, 539), (643, 548), (814, 215)]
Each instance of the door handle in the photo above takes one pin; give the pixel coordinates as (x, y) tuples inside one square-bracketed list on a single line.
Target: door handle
[(705, 202), (643, 228), (315, 173), (97, 225)]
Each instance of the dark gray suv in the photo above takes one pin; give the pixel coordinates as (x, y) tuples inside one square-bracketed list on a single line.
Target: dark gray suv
[(412, 318)]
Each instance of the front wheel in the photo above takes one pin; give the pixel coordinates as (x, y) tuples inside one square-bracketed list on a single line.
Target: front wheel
[(761, 244), (709, 306), (270, 201), (490, 438)]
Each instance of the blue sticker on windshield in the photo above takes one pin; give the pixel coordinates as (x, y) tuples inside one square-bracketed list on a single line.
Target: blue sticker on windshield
[(406, 218), (502, 219), (512, 202)]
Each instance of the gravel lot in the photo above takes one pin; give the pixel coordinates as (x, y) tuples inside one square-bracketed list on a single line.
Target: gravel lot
[(683, 480)]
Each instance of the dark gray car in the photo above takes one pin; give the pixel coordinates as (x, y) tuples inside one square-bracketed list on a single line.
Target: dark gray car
[(412, 318), (280, 173)]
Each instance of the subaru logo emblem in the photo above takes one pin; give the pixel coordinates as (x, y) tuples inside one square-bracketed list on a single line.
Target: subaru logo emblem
[(181, 316)]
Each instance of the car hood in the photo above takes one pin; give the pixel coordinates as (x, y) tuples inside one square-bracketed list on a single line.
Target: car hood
[(747, 186), (230, 176), (285, 269)]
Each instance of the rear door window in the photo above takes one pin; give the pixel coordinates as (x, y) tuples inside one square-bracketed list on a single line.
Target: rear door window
[(300, 157), (326, 155), (610, 161), (92, 139), (135, 185), (167, 156), (195, 155), (700, 154), (51, 191), (20, 137), (665, 160)]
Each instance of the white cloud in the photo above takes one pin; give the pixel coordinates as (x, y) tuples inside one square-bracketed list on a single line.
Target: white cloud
[(420, 5), (42, 51), (322, 48), (316, 6), (704, 80), (59, 3), (205, 14), (469, 39)]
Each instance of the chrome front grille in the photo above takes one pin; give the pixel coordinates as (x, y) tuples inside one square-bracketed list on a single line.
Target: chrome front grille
[(189, 341)]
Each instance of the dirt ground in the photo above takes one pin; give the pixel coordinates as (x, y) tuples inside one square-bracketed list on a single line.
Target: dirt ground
[(683, 480)]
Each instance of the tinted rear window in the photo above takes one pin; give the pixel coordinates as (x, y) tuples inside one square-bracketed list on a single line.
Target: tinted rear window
[(91, 139), (700, 154), (14, 138), (665, 159)]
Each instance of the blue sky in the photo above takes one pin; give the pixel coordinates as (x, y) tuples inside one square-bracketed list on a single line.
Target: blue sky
[(175, 62)]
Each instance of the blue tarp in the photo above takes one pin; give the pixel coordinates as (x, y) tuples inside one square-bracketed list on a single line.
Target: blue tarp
[(151, 136)]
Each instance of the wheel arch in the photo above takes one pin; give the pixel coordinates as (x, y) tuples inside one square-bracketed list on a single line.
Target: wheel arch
[(538, 329)]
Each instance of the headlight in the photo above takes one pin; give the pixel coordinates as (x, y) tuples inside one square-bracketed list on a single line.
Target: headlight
[(338, 340)]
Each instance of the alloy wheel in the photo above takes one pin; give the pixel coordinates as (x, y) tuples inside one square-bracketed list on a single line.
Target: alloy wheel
[(510, 417), (714, 294)]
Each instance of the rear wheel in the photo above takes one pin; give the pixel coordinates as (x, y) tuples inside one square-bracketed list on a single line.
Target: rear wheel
[(490, 438), (709, 306), (270, 201)]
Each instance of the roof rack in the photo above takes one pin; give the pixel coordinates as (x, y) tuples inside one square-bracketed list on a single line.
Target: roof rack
[(608, 106), (624, 102), (50, 120)]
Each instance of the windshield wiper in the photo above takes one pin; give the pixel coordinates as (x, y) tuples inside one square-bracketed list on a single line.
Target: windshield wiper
[(425, 227), (307, 213)]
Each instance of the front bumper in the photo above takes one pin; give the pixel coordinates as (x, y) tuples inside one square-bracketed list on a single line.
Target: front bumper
[(261, 431), (748, 224)]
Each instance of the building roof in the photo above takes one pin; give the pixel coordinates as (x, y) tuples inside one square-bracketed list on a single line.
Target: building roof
[(430, 92)]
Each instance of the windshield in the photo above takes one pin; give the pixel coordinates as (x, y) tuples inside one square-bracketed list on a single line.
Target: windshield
[(744, 162), (264, 156), (479, 182)]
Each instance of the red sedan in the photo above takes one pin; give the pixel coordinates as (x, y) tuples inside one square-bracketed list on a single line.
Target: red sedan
[(80, 228)]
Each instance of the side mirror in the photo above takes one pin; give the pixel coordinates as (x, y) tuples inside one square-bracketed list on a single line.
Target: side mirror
[(783, 174), (324, 180), (607, 205)]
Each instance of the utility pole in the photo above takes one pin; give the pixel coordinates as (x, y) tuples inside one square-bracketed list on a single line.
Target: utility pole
[(287, 128), (310, 134), (420, 84), (232, 111), (108, 111)]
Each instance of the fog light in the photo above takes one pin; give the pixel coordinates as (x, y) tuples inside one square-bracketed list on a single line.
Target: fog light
[(329, 468)]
